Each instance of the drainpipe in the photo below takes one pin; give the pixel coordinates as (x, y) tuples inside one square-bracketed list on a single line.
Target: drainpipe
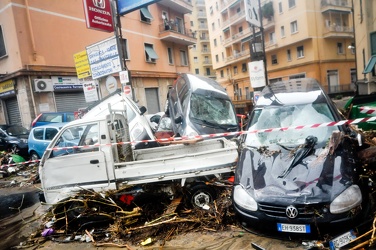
[(30, 30)]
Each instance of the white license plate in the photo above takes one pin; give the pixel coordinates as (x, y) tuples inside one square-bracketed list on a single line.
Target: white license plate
[(293, 228), (342, 240)]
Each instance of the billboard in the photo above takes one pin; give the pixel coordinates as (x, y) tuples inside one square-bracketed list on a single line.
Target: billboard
[(126, 6), (104, 58), (98, 15)]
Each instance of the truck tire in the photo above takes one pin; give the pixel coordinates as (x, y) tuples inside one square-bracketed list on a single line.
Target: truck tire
[(200, 195)]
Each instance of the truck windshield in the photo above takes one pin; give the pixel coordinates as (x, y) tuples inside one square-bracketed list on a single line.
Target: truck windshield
[(212, 110)]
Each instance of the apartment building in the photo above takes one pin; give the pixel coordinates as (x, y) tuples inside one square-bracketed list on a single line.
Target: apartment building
[(365, 45), (200, 53), (38, 41), (301, 38)]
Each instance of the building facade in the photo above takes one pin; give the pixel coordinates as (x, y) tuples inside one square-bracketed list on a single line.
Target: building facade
[(301, 38), (38, 42)]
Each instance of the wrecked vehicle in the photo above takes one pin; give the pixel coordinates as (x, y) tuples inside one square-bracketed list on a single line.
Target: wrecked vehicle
[(102, 159), (198, 105), (298, 172)]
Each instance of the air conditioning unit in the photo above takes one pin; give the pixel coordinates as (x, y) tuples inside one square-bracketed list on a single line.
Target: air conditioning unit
[(43, 85)]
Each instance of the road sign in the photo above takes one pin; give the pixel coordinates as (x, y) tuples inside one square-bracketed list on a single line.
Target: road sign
[(252, 12), (127, 89)]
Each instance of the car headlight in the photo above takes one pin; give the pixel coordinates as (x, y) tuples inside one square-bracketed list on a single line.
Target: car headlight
[(136, 131), (190, 132), (347, 200), (243, 199)]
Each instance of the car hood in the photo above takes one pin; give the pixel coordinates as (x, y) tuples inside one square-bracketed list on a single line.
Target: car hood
[(18, 137), (280, 177)]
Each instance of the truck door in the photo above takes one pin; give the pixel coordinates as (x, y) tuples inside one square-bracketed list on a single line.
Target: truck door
[(74, 162)]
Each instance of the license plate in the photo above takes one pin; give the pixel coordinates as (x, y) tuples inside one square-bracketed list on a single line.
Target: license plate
[(342, 240), (293, 228)]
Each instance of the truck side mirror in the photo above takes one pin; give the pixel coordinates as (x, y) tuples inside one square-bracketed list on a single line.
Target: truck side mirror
[(143, 110)]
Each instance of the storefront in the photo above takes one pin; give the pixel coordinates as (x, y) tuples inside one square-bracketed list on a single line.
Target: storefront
[(9, 103)]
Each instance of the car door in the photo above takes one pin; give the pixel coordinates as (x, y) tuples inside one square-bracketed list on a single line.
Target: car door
[(3, 143), (72, 162)]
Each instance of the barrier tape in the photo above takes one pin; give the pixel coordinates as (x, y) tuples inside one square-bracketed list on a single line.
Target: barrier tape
[(368, 110), (185, 138)]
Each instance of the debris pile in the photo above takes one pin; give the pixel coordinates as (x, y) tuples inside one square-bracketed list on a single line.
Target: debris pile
[(115, 218)]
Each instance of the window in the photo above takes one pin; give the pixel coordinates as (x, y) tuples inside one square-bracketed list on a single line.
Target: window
[(216, 5), (222, 74), (294, 27), (145, 15), (207, 71), (240, 29), (288, 55), (213, 26), (282, 31), (352, 48), (3, 51), (373, 43), (125, 48), (272, 37), (274, 59), (170, 56), (300, 51), (297, 76), (211, 9), (291, 3), (215, 42), (340, 48), (195, 59), (244, 67), (192, 24), (150, 54), (197, 71), (216, 58), (206, 60), (183, 58), (205, 48), (280, 7), (219, 22), (235, 70)]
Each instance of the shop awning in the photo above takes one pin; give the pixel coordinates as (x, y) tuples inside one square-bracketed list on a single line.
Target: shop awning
[(227, 29), (370, 65), (146, 13), (151, 52)]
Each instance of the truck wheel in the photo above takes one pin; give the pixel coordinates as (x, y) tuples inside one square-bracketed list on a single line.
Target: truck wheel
[(200, 195)]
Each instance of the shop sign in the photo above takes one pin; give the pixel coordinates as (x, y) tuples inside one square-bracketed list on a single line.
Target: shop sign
[(65, 82), (98, 15), (104, 58), (90, 91), (82, 64), (7, 88)]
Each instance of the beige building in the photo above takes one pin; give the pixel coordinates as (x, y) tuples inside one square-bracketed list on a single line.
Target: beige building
[(302, 38), (38, 41), (365, 44), (200, 53)]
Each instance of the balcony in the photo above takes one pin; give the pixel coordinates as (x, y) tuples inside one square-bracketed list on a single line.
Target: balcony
[(207, 62), (268, 23), (272, 44), (338, 31), (204, 39), (200, 3), (338, 89), (205, 51), (175, 34), (202, 27), (238, 56), (237, 37), (201, 15), (234, 19), (336, 6), (180, 6)]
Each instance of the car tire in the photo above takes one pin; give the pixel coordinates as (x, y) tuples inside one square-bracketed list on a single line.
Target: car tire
[(34, 156), (200, 195)]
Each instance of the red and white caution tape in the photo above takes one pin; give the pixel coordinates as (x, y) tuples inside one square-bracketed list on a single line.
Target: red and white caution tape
[(230, 134), (368, 110)]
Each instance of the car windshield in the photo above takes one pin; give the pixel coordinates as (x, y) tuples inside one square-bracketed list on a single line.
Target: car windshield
[(212, 110), (17, 130), (289, 117)]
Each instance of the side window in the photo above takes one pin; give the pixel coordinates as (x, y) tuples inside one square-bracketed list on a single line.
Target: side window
[(38, 133), (70, 117), (50, 133)]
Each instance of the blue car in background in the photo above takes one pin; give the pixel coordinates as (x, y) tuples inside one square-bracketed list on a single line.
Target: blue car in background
[(52, 117), (40, 137)]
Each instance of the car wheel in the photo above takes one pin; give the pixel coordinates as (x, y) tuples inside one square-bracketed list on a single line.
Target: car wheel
[(34, 156), (200, 195)]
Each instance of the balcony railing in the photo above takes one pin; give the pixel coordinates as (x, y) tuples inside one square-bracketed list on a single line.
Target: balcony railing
[(338, 3), (339, 31), (233, 18), (177, 34), (238, 55), (338, 89)]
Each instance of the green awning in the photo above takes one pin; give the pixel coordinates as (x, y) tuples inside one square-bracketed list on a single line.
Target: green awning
[(227, 29), (146, 13), (370, 65), (151, 52), (246, 39)]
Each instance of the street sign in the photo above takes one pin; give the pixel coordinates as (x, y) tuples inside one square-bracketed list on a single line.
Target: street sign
[(127, 89), (252, 10), (98, 15), (124, 78), (257, 74), (82, 64), (104, 58)]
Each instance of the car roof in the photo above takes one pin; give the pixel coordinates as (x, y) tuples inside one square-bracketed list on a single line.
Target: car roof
[(53, 125), (290, 92), (200, 82)]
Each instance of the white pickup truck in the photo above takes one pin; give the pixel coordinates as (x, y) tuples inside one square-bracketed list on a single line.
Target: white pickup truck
[(95, 153)]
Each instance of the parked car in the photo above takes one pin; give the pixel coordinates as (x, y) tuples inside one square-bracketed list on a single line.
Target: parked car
[(40, 137), (198, 105), (52, 117), (294, 178), (13, 138)]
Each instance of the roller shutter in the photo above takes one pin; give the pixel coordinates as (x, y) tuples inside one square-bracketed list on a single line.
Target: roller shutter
[(152, 100), (70, 101), (13, 112)]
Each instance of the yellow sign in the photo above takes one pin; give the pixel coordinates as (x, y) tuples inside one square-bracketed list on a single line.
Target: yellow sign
[(6, 86), (82, 64)]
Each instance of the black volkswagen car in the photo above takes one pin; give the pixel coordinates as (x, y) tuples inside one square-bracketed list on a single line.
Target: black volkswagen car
[(14, 138), (298, 171)]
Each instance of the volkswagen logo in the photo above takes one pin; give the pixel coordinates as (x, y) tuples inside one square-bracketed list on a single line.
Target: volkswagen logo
[(291, 212)]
